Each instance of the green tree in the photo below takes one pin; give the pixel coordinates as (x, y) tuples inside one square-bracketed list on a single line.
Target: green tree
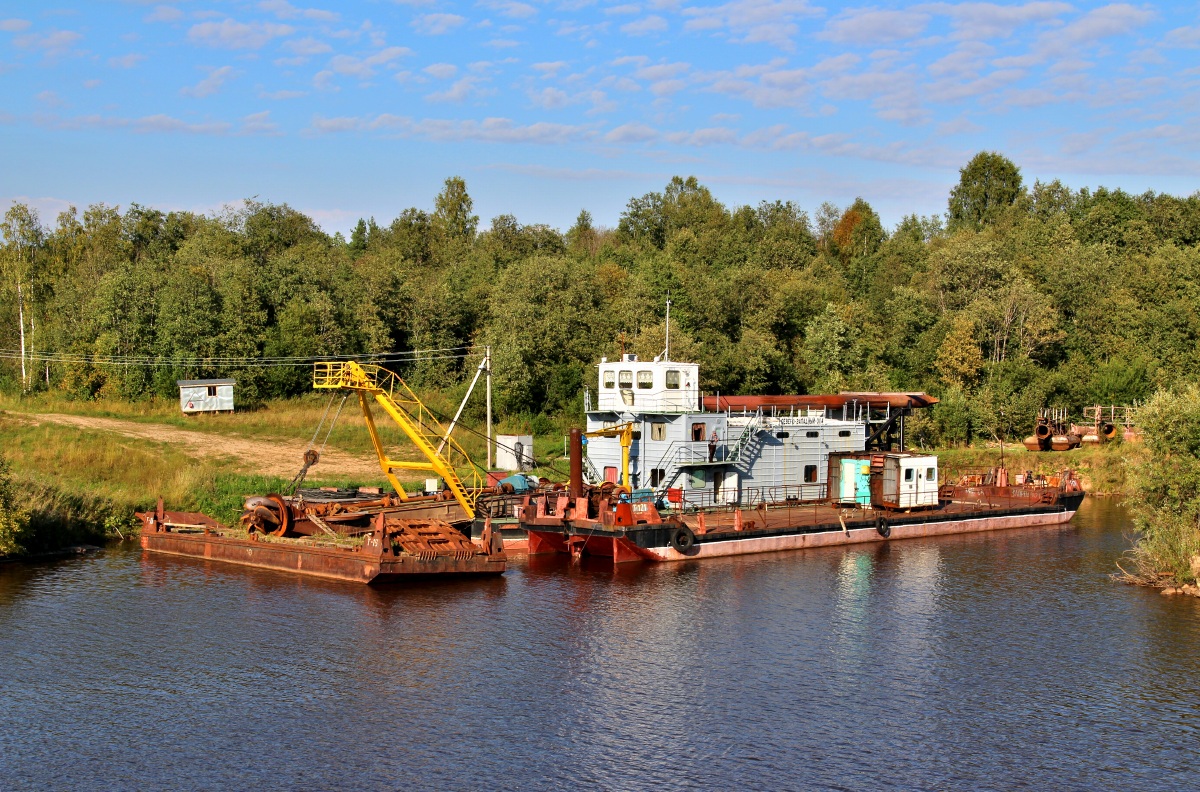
[(987, 185), (452, 217), (1165, 481)]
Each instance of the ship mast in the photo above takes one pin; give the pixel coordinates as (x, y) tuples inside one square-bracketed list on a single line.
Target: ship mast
[(667, 351)]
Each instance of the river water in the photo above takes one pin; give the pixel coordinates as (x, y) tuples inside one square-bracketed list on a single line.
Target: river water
[(1000, 661)]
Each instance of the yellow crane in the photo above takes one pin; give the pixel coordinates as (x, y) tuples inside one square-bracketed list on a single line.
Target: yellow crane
[(376, 383), (623, 431)]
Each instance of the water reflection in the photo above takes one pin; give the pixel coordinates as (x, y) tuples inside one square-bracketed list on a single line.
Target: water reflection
[(987, 661)]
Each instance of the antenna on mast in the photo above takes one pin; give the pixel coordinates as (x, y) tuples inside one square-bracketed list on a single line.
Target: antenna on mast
[(667, 351)]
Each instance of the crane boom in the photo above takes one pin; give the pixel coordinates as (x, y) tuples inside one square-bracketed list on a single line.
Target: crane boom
[(624, 432), (392, 394)]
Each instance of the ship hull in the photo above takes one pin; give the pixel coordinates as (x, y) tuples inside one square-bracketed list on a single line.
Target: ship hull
[(652, 543)]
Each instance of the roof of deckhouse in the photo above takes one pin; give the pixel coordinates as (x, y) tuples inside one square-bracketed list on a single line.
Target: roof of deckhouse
[(875, 399)]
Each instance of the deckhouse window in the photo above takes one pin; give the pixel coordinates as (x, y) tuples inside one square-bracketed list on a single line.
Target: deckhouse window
[(812, 434), (212, 391), (610, 379), (645, 380), (810, 474), (696, 479), (844, 433), (658, 431), (626, 379), (930, 473), (908, 474), (672, 379)]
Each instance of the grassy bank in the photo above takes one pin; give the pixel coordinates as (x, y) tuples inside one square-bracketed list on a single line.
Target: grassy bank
[(76, 486)]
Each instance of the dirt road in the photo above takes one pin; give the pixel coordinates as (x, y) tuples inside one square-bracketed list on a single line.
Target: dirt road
[(266, 457)]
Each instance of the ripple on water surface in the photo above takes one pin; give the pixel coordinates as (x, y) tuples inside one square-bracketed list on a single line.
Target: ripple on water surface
[(995, 661)]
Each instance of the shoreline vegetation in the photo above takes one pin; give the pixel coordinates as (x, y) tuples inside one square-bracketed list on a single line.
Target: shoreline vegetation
[(1164, 495)]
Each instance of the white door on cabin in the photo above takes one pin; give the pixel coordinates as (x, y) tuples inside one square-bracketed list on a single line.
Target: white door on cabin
[(727, 486), (909, 485)]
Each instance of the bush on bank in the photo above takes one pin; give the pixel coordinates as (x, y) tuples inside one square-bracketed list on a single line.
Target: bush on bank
[(1164, 492)]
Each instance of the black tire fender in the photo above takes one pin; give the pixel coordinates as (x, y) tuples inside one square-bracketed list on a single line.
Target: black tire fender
[(882, 526), (682, 539)]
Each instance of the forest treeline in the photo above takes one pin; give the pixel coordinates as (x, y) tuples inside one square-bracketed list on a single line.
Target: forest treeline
[(1019, 297)]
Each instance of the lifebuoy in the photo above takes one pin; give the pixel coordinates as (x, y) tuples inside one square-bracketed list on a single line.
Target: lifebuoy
[(881, 525), (682, 539)]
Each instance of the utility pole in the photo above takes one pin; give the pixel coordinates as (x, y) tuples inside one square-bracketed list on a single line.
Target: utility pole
[(488, 359)]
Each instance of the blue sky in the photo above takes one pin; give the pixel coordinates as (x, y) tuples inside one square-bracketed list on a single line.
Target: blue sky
[(364, 108)]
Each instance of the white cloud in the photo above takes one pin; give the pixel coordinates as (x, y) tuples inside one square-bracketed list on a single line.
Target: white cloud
[(259, 124), (151, 124), (550, 98), (281, 95), (627, 9), (460, 90), (14, 25), (163, 13), (644, 27), (126, 61), (437, 24), (765, 85), (489, 130), (50, 99), (633, 132), (229, 34), (307, 46), (752, 21), (441, 71), (510, 8), (364, 68), (285, 10), (550, 69), (712, 136), (1111, 20), (56, 42), (1187, 37), (867, 26), (210, 84), (991, 20)]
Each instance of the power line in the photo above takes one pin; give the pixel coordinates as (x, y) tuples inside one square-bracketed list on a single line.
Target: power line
[(412, 356)]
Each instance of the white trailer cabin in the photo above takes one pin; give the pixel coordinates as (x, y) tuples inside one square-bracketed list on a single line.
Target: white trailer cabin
[(910, 481), (212, 395), (514, 452)]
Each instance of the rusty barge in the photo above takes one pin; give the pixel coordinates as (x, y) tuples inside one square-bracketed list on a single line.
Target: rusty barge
[(674, 475), (359, 536)]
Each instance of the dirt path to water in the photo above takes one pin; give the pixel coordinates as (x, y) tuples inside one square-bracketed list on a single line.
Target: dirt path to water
[(275, 457)]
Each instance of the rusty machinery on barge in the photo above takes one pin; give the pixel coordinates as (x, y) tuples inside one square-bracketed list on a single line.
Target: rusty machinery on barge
[(686, 476), (355, 536)]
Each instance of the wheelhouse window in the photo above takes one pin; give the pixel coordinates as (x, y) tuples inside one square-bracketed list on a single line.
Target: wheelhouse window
[(610, 379), (645, 380), (810, 474), (658, 431), (672, 379), (625, 379)]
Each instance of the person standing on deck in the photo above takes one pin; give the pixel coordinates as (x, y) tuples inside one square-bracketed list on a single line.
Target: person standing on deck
[(712, 446)]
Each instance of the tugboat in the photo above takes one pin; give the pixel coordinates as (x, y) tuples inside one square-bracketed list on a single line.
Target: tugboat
[(675, 475)]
